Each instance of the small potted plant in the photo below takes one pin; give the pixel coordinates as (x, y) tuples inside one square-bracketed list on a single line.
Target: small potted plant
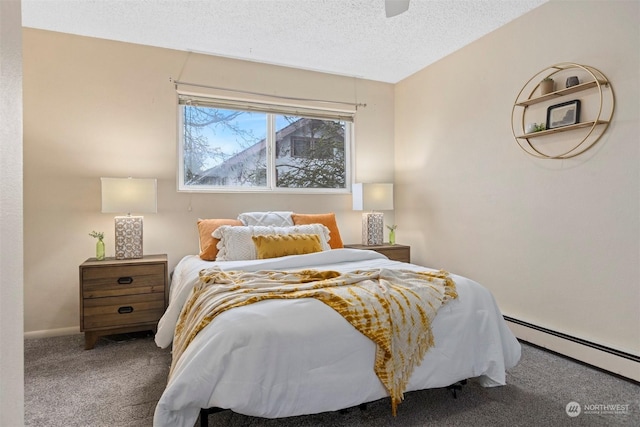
[(540, 127), (99, 244), (546, 85)]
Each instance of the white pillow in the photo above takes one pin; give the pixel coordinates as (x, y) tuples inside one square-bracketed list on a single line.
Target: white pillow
[(275, 219), (236, 243)]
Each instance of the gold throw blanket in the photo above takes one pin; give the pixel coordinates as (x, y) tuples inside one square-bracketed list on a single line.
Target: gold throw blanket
[(393, 308)]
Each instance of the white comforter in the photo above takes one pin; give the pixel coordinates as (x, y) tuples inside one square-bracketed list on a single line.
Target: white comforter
[(282, 358)]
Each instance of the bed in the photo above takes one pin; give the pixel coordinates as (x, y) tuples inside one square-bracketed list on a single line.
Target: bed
[(286, 357)]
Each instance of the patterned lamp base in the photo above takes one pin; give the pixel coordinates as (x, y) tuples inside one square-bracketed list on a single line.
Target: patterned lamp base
[(128, 237), (372, 228)]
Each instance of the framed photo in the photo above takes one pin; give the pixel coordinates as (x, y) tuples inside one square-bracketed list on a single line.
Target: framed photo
[(567, 113)]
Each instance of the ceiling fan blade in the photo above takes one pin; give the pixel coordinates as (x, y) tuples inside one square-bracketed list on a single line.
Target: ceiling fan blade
[(395, 7)]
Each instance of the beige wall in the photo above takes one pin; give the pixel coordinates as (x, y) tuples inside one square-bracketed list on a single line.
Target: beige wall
[(557, 241), (11, 270), (98, 108)]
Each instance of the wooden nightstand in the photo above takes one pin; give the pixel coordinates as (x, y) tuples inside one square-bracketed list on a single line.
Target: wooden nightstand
[(400, 253), (121, 296)]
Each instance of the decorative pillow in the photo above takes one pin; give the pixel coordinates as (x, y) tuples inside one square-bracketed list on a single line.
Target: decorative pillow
[(274, 219), (208, 244), (236, 243), (328, 219), (288, 244)]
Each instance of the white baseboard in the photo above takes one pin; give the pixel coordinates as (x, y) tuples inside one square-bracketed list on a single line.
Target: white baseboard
[(48, 333), (596, 357)]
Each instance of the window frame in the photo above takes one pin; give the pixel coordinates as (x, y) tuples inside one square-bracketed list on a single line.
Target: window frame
[(271, 110)]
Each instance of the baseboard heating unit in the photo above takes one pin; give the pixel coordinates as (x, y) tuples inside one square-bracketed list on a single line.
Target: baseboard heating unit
[(616, 362)]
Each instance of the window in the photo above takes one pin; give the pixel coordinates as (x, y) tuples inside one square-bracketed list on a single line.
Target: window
[(237, 146)]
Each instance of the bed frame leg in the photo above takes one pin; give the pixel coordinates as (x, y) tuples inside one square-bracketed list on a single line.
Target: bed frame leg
[(362, 407), (204, 415), (453, 388), (204, 418)]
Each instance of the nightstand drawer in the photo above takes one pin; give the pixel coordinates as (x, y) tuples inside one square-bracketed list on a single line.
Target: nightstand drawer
[(118, 311), (122, 280)]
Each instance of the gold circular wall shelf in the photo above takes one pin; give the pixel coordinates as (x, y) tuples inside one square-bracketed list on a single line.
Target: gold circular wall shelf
[(592, 129)]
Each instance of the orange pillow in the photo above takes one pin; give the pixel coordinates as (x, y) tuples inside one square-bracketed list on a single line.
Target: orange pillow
[(208, 243), (328, 220)]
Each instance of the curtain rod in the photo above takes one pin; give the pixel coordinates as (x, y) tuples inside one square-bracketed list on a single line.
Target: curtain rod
[(290, 98)]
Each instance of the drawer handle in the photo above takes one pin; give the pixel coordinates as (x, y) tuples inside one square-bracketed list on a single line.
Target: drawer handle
[(125, 280), (125, 310)]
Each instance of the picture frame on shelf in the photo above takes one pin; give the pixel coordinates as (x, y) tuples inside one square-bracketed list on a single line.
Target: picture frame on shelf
[(564, 114)]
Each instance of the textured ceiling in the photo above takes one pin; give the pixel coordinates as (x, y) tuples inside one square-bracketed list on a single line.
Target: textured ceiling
[(347, 37)]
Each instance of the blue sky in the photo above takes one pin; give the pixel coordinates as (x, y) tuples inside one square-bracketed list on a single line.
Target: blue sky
[(230, 143)]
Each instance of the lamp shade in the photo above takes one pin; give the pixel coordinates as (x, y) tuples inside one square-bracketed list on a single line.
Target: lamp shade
[(127, 195), (372, 197)]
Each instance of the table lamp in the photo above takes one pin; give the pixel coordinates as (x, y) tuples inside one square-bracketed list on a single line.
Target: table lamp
[(129, 195), (372, 197)]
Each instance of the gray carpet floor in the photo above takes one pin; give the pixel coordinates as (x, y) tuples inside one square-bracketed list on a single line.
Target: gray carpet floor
[(118, 384)]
